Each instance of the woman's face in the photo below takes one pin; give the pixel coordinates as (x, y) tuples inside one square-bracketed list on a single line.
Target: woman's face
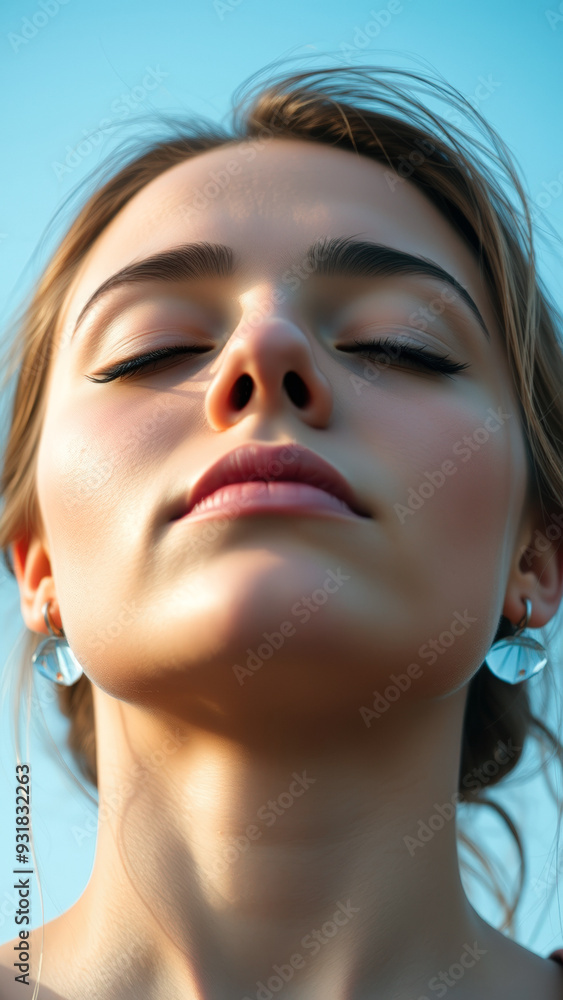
[(192, 615)]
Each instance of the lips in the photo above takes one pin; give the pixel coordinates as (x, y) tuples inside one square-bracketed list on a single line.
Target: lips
[(280, 463)]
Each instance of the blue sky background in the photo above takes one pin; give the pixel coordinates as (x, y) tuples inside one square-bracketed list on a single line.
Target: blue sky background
[(64, 68)]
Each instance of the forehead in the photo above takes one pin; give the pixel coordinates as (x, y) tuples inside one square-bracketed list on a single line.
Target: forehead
[(269, 200)]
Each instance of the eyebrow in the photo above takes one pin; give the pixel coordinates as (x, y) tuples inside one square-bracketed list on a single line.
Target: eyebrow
[(332, 257), (192, 260), (327, 257)]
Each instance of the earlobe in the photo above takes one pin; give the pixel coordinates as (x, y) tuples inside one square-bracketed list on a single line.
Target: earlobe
[(537, 574), (32, 567)]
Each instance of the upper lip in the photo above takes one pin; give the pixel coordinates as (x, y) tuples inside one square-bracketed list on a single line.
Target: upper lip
[(287, 462)]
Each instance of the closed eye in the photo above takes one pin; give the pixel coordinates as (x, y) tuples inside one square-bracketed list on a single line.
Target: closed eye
[(386, 350), (149, 361), (389, 350)]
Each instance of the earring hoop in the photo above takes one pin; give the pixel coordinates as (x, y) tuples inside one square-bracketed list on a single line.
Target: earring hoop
[(517, 657), (53, 629), (523, 623), (54, 658)]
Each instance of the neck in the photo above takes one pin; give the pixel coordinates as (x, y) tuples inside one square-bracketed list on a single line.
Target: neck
[(301, 859)]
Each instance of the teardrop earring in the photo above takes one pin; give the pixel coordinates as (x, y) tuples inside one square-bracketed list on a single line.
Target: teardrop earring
[(54, 658), (517, 657)]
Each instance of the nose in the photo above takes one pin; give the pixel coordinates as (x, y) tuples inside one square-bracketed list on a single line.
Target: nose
[(268, 369)]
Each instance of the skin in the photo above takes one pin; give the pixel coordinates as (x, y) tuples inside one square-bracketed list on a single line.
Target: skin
[(167, 912)]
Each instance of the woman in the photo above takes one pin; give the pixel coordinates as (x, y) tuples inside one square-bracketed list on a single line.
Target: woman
[(280, 461)]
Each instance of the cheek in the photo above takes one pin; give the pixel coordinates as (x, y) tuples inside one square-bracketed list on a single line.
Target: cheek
[(96, 472), (101, 476), (452, 483), (456, 459)]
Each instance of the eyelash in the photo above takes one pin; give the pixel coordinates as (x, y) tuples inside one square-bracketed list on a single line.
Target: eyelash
[(397, 350), (388, 347), (130, 367)]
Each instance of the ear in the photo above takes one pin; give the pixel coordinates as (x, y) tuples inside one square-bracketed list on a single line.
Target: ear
[(537, 570), (35, 580)]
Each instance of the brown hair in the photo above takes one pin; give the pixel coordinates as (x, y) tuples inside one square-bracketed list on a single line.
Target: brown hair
[(375, 113)]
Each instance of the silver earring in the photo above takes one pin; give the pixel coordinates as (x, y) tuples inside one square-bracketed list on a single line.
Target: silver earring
[(54, 658), (517, 657)]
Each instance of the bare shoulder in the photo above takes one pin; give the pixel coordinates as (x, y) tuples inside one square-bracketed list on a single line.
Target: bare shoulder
[(518, 973), (539, 977), (19, 964), (61, 956)]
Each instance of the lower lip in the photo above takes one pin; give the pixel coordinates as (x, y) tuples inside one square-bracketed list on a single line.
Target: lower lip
[(257, 497)]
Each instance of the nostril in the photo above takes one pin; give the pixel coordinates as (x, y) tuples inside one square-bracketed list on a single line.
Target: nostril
[(241, 392), (293, 385), (296, 389)]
